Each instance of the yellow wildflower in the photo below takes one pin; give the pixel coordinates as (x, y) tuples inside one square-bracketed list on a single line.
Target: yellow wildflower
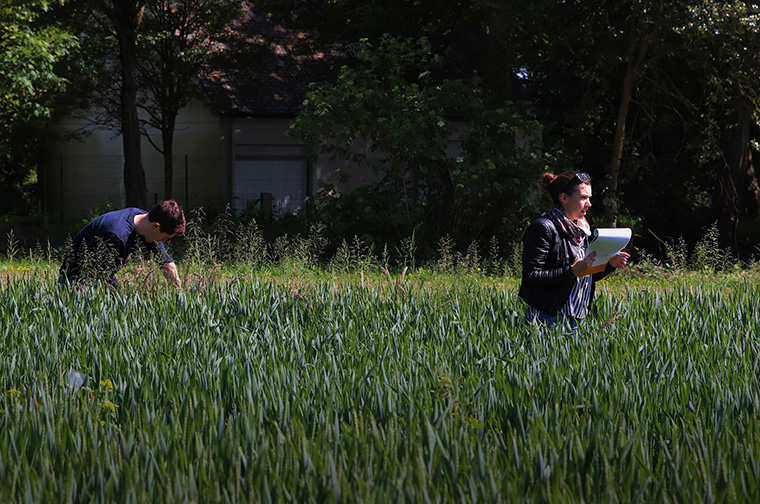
[(107, 407)]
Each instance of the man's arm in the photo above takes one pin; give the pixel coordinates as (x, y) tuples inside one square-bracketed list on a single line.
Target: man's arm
[(170, 273)]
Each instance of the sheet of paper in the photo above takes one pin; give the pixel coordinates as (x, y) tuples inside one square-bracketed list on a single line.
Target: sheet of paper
[(607, 242)]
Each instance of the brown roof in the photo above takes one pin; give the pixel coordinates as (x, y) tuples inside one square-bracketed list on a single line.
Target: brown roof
[(282, 64)]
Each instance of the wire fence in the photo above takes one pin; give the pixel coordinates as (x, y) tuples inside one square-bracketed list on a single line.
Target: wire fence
[(77, 186)]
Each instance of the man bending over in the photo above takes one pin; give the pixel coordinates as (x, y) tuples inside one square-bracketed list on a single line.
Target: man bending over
[(103, 246)]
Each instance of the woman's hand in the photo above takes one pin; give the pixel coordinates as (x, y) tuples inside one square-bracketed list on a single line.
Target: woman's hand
[(582, 265), (619, 260)]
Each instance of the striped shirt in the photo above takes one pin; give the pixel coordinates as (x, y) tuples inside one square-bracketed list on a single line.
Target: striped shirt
[(577, 303)]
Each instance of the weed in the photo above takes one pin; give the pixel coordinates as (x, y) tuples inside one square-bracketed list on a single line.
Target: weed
[(354, 257), (446, 254), (708, 255), (494, 266), (677, 255), (470, 263), (12, 248), (407, 250)]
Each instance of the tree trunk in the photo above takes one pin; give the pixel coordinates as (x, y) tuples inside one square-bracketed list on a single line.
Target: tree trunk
[(634, 66), (612, 198), (126, 17), (738, 184), (168, 150), (752, 205), (498, 71)]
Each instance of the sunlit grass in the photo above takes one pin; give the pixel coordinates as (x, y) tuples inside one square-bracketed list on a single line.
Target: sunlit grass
[(272, 384)]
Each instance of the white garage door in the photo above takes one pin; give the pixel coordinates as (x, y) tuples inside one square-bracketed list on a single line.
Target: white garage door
[(283, 177)]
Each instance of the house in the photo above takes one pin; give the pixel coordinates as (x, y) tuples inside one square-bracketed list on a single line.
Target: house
[(231, 144)]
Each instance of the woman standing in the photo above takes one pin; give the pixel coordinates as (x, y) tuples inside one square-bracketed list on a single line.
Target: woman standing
[(553, 284)]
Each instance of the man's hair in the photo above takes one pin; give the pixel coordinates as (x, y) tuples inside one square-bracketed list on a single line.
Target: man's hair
[(169, 215)]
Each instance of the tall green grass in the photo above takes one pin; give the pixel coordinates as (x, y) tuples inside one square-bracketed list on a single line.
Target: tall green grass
[(250, 390)]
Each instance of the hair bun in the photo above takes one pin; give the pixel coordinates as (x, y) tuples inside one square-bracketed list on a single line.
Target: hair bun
[(546, 181)]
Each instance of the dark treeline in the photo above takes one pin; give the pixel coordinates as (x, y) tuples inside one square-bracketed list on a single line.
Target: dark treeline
[(657, 101)]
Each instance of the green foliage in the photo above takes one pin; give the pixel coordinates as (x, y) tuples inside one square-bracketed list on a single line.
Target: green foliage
[(251, 247), (396, 99), (375, 99), (728, 31), (708, 255), (300, 252), (201, 245), (407, 250), (225, 239), (705, 255), (356, 256), (372, 212), (29, 50), (178, 47), (677, 254), (446, 254), (30, 46), (12, 248), (246, 390), (502, 158)]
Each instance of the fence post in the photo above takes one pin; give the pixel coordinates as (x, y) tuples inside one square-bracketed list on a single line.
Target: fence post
[(266, 205), (187, 190), (60, 160)]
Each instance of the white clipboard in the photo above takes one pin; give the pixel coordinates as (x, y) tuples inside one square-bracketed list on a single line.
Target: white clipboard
[(606, 242)]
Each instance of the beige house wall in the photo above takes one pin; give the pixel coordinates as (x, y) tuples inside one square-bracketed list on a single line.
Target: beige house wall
[(257, 136), (82, 177), (82, 172)]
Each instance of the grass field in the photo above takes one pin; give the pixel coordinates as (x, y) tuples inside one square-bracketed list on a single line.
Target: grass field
[(280, 386)]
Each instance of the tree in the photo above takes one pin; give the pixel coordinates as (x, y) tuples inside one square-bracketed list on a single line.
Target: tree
[(455, 29), (585, 63), (393, 97), (658, 98), (165, 48), (723, 39), (124, 18), (402, 101), (402, 120), (500, 48), (107, 28), (642, 30), (30, 46), (179, 43)]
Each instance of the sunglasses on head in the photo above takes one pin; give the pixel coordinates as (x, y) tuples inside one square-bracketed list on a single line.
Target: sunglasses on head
[(583, 177)]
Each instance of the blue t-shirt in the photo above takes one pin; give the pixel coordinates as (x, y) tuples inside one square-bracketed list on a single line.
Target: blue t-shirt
[(104, 244)]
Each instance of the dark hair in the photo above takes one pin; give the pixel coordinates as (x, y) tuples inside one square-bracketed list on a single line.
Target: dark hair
[(169, 215), (553, 185)]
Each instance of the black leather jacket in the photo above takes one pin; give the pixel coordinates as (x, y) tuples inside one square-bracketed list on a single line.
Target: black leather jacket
[(547, 274)]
